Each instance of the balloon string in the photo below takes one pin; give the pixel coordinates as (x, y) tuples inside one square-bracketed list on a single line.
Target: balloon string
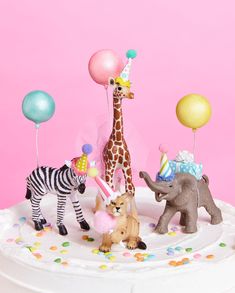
[(108, 105), (194, 142), (37, 156)]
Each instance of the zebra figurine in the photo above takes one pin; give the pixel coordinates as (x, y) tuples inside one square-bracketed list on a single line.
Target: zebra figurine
[(64, 182)]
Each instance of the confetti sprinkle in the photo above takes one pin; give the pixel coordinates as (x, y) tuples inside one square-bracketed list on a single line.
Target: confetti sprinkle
[(172, 233), (85, 237), (197, 255), (90, 239), (65, 263), (22, 220), (16, 226), (174, 229), (222, 244), (95, 251), (32, 249), (126, 254), (210, 256), (189, 249), (37, 255), (103, 267), (53, 248), (184, 261), (112, 258), (47, 229), (10, 240), (66, 244), (57, 260), (37, 244), (152, 225), (39, 234), (64, 251)]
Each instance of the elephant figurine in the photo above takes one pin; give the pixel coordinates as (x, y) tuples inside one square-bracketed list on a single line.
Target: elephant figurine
[(184, 194)]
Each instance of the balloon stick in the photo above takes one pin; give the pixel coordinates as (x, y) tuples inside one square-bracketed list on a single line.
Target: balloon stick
[(194, 142), (37, 152)]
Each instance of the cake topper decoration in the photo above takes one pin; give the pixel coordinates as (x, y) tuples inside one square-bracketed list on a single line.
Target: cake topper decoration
[(184, 194), (64, 182), (38, 106), (165, 173), (106, 191), (115, 153)]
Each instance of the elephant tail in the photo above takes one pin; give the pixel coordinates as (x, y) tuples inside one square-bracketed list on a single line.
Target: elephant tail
[(205, 179)]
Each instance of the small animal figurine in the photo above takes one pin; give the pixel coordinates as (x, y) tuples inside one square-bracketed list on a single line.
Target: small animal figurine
[(116, 154), (183, 193), (125, 225), (64, 182)]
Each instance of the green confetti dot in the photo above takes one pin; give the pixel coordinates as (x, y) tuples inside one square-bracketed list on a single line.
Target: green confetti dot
[(57, 260), (65, 244), (90, 239), (189, 249), (222, 244)]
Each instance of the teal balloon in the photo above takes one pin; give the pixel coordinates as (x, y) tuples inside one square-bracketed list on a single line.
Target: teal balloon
[(38, 106)]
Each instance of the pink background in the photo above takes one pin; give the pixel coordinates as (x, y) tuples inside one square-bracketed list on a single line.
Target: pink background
[(183, 46)]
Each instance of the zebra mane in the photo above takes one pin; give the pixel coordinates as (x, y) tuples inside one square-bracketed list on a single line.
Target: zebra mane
[(64, 167)]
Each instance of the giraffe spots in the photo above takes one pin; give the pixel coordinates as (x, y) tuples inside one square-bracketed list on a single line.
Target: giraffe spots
[(129, 180), (125, 164), (128, 171), (110, 144), (119, 135), (120, 160), (127, 157), (117, 114), (107, 178), (114, 149), (118, 125), (110, 155), (120, 151), (115, 157)]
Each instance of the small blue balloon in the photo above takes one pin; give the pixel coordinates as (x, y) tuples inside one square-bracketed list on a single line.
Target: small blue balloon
[(38, 106)]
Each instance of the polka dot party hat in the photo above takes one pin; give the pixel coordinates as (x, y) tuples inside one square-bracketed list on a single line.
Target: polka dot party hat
[(165, 173), (123, 79), (80, 165)]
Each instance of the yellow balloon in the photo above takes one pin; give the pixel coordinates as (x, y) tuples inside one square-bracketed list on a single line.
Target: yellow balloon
[(193, 111)]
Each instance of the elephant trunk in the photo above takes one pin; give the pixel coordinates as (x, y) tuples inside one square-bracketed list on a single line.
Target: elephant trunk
[(151, 184)]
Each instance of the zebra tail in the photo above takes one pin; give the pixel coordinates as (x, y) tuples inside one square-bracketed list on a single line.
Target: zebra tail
[(28, 194)]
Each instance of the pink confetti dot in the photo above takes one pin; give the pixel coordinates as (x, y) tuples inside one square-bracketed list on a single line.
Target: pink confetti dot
[(126, 254), (197, 255), (10, 240)]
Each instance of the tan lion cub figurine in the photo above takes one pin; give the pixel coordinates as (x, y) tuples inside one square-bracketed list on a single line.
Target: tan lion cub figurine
[(127, 225)]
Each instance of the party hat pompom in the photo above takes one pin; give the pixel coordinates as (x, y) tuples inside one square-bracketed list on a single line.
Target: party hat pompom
[(87, 149), (131, 54), (93, 172), (163, 148)]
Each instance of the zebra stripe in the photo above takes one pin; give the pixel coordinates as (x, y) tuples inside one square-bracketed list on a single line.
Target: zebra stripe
[(62, 182)]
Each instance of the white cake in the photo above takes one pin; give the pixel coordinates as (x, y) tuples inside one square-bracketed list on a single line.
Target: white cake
[(33, 261)]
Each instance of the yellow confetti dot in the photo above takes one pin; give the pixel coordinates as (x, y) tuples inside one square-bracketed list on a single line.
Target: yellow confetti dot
[(64, 251), (18, 239), (112, 258), (39, 234), (172, 233), (103, 267), (37, 244), (53, 248), (47, 229), (33, 249), (95, 251)]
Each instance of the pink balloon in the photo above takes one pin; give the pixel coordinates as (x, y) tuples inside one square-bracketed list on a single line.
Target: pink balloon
[(103, 65)]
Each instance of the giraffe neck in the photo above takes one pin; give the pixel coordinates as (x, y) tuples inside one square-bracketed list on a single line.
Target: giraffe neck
[(117, 133)]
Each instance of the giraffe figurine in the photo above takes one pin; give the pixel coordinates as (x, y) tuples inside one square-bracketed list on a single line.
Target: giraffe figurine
[(116, 154)]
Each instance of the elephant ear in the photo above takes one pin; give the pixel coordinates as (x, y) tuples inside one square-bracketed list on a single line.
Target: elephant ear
[(187, 189)]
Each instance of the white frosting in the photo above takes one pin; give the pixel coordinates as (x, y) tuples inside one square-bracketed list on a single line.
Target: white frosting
[(21, 269)]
